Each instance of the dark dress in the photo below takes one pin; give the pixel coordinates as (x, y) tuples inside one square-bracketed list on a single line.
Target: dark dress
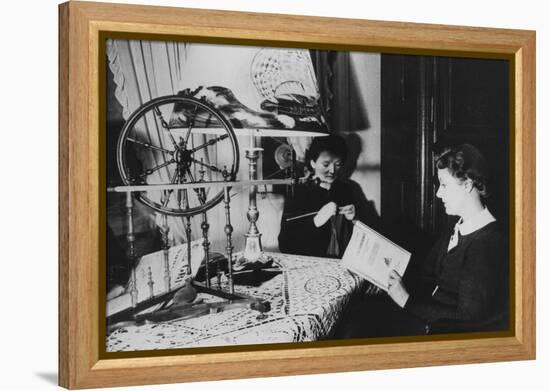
[(301, 236), (471, 281), (471, 295)]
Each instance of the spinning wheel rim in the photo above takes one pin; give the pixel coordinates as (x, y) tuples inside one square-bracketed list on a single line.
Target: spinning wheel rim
[(140, 113)]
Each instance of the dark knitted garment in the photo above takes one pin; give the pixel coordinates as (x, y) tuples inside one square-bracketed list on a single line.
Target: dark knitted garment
[(301, 236)]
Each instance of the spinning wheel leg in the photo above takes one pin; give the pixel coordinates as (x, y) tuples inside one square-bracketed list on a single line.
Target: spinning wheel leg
[(166, 252), (228, 232), (131, 239), (206, 245)]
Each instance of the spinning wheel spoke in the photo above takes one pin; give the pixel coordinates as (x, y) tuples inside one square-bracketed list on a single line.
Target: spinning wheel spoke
[(201, 195), (165, 126), (210, 166), (169, 192), (190, 175), (210, 142), (152, 170), (191, 125), (147, 145), (179, 197), (165, 197), (175, 176)]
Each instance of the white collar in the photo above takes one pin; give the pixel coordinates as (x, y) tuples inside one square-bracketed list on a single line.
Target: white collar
[(478, 221)]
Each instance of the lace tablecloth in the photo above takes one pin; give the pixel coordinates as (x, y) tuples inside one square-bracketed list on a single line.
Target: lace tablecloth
[(306, 299)]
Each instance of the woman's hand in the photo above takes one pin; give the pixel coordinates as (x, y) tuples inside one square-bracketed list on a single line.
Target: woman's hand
[(397, 290), (348, 211), (325, 213)]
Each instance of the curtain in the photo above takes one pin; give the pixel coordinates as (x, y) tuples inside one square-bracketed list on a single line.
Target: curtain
[(140, 70)]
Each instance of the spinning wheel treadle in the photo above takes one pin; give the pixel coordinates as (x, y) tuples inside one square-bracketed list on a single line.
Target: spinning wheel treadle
[(174, 140)]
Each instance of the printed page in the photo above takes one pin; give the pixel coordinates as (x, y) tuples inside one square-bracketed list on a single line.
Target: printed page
[(372, 256)]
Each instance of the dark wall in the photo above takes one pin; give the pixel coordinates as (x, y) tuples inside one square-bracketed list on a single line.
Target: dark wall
[(428, 102)]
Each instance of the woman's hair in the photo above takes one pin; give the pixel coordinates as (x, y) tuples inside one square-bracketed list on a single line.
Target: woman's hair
[(332, 144), (466, 162)]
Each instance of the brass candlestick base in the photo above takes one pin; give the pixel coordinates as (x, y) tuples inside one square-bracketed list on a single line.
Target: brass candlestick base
[(253, 251)]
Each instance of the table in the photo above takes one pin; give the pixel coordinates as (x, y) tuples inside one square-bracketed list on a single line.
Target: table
[(307, 299)]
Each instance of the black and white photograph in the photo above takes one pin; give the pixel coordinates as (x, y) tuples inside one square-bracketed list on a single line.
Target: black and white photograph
[(267, 195), (275, 195)]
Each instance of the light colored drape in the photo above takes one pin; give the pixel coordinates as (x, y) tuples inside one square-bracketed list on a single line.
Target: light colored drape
[(144, 70)]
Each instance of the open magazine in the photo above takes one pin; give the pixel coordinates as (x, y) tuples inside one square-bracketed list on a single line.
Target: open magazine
[(372, 256)]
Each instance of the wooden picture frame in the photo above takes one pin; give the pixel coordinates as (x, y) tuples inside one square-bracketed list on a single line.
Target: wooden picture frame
[(80, 168)]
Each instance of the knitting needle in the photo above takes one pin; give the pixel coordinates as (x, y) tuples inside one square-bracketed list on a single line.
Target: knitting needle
[(300, 216), (311, 214)]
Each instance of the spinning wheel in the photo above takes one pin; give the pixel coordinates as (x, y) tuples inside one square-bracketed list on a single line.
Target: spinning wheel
[(175, 140)]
